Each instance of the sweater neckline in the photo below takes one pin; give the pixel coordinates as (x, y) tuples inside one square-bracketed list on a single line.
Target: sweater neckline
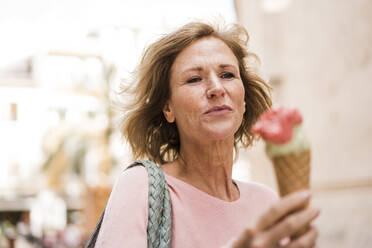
[(204, 194)]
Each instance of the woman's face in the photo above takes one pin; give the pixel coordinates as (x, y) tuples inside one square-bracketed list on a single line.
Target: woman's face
[(207, 94)]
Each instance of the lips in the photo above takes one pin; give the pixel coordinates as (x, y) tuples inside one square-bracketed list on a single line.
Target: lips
[(217, 109)]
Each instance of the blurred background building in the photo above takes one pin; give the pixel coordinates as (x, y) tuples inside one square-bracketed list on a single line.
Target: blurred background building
[(317, 57), (61, 63)]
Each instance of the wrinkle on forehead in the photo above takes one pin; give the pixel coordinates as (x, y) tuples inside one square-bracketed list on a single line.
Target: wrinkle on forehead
[(200, 53)]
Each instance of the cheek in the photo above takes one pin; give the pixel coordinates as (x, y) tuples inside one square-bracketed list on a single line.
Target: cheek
[(186, 105), (190, 96)]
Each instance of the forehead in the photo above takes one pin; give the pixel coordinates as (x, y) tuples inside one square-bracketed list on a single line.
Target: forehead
[(205, 50)]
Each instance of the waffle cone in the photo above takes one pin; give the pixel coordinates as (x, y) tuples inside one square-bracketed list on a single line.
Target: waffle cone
[(293, 174)]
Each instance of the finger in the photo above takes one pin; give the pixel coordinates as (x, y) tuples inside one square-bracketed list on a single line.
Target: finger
[(306, 240), (245, 239), (286, 205), (285, 241), (292, 223)]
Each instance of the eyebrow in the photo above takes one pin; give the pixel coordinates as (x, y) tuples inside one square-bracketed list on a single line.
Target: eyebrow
[(226, 65), (199, 68)]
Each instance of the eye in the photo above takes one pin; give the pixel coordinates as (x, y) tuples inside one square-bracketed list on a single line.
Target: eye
[(193, 80), (227, 75)]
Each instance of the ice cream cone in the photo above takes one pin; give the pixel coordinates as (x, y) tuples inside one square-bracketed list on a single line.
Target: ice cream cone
[(292, 172), (288, 149)]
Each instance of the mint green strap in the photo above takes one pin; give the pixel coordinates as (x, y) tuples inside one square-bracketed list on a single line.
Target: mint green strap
[(159, 228)]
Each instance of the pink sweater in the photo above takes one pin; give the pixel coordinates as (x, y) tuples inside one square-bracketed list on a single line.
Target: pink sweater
[(198, 219)]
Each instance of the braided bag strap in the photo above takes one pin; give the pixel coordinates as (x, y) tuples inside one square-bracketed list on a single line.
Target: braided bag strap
[(159, 228)]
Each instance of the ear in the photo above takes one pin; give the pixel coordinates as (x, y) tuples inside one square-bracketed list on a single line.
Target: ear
[(168, 113)]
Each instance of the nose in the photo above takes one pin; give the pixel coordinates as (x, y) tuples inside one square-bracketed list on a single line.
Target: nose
[(215, 88)]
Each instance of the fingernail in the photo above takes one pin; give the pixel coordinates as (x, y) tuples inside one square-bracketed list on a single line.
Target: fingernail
[(317, 211), (306, 194)]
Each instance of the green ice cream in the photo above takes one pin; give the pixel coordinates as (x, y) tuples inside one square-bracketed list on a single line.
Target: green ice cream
[(297, 144)]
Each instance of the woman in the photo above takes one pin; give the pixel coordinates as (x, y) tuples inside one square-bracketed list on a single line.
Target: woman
[(196, 100)]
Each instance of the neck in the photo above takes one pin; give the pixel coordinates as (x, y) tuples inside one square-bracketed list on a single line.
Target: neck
[(207, 167)]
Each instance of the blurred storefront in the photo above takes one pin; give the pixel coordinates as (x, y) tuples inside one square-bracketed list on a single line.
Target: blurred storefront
[(61, 66)]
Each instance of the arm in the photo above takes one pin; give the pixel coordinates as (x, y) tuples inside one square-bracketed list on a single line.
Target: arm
[(125, 220)]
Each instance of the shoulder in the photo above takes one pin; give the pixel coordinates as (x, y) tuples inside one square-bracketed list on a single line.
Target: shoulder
[(126, 211), (130, 190), (258, 191), (130, 183), (135, 176), (128, 200)]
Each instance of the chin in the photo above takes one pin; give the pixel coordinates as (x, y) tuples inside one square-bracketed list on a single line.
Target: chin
[(216, 134)]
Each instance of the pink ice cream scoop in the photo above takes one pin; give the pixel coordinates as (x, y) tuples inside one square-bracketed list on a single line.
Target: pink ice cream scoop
[(276, 125)]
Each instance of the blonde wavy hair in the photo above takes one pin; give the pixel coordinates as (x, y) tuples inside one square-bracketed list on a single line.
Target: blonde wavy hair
[(144, 125)]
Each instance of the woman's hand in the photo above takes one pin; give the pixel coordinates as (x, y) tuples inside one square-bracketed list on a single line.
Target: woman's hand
[(281, 221)]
